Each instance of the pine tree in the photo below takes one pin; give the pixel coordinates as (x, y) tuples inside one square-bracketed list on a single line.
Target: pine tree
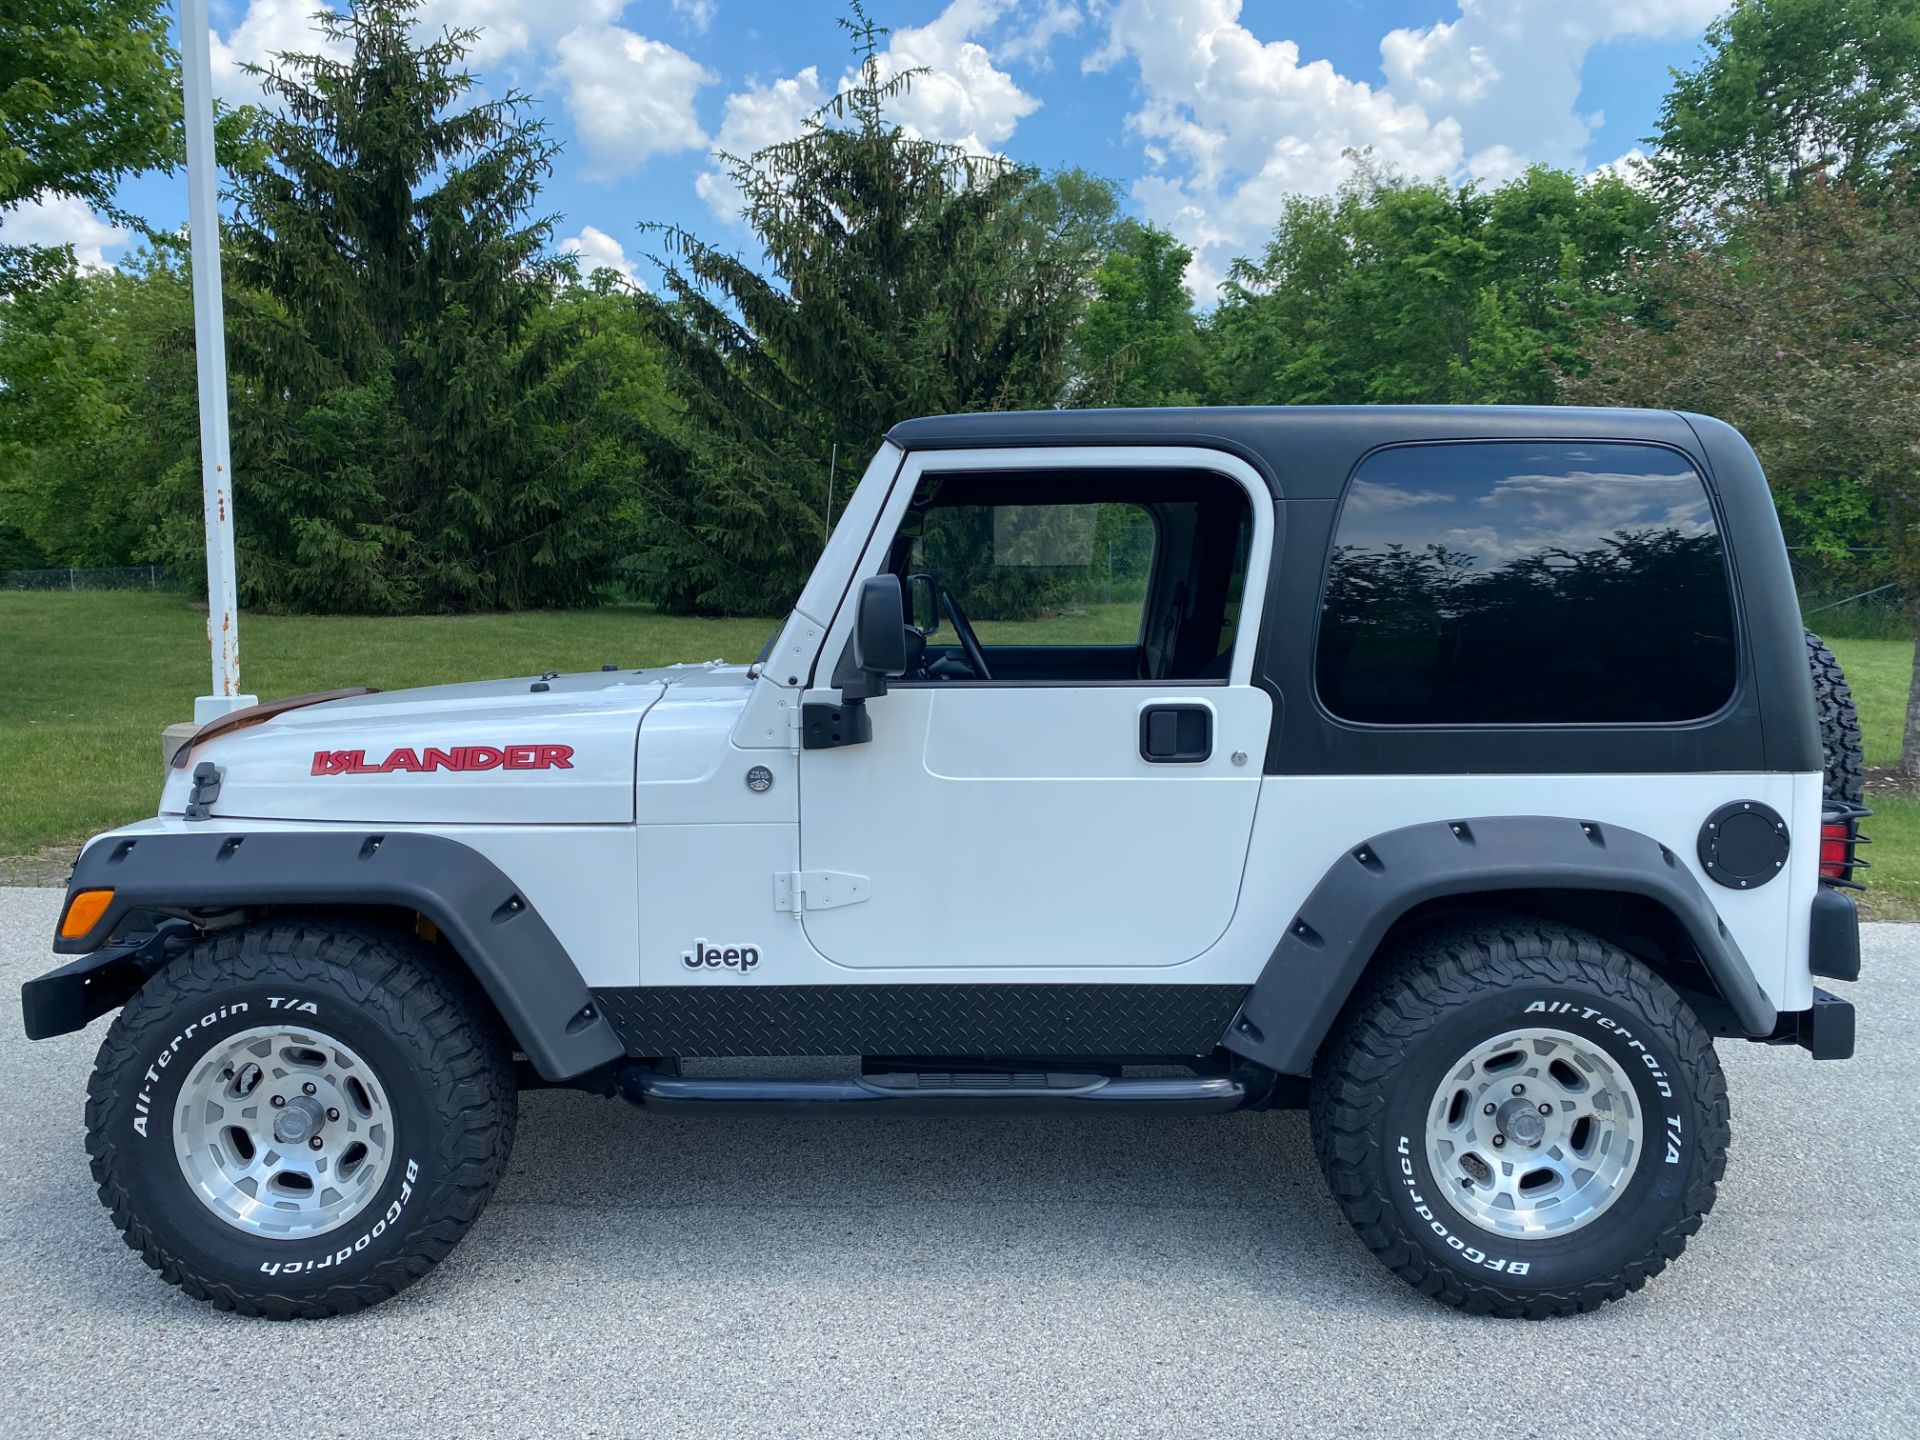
[(411, 428), (902, 277)]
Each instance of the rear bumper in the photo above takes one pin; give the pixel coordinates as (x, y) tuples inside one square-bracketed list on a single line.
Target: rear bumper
[(1826, 1031)]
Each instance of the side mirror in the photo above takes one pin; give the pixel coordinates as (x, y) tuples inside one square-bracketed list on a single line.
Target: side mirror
[(879, 637)]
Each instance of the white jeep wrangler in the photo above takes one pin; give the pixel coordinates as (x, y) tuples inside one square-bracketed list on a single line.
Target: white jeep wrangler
[(1457, 773)]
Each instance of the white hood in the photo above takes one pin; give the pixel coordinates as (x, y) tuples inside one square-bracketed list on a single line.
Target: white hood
[(487, 752)]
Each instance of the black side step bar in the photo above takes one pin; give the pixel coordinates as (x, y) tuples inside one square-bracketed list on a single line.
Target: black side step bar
[(943, 1093)]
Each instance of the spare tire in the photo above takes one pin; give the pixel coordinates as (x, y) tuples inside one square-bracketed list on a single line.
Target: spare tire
[(1846, 766)]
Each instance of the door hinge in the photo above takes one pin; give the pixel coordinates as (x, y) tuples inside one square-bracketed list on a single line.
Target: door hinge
[(798, 890), (826, 725)]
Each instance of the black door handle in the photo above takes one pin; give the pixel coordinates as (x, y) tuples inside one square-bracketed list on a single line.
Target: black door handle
[(1176, 734)]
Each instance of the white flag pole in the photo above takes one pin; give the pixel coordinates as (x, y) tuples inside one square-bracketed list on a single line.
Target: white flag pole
[(210, 351)]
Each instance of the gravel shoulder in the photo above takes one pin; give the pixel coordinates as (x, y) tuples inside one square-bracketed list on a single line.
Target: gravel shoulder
[(47, 866), (966, 1278)]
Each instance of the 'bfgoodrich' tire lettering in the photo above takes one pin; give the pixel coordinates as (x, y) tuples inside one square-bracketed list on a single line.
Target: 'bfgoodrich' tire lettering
[(1472, 1254), (346, 1252)]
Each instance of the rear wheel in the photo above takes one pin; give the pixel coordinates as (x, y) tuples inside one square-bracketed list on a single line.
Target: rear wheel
[(1520, 1119), (298, 1120)]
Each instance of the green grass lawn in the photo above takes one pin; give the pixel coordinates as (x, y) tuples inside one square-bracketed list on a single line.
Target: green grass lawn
[(1115, 624), (92, 678)]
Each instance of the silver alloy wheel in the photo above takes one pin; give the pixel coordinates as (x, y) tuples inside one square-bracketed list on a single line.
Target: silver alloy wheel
[(1534, 1133), (284, 1133)]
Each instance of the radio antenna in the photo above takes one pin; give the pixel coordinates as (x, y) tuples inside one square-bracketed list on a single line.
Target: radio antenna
[(833, 468)]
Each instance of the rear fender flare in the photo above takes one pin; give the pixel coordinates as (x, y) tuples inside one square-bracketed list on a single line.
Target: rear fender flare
[(488, 921), (1329, 944)]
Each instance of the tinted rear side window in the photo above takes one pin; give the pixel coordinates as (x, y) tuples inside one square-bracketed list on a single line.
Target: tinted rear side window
[(1518, 583)]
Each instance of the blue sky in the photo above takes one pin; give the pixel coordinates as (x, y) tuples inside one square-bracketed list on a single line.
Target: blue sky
[(1205, 111)]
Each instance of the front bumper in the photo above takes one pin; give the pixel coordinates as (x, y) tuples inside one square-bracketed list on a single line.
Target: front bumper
[(79, 992)]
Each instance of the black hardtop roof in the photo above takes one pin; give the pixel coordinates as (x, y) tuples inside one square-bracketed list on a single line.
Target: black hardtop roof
[(1307, 451)]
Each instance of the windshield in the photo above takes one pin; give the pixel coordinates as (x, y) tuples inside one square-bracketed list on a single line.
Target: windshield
[(766, 650)]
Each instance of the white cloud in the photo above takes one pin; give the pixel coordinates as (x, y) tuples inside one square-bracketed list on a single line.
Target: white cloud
[(269, 28), (506, 28), (696, 15), (964, 98), (513, 27), (1241, 123), (630, 97), (62, 220), (1509, 70), (759, 116), (1033, 31), (1231, 122), (1496, 165), (1630, 167), (597, 250)]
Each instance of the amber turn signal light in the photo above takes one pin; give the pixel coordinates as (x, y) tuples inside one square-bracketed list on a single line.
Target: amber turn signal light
[(84, 913)]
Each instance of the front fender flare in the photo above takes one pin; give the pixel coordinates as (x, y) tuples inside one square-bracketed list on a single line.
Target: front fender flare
[(1330, 942), (509, 948)]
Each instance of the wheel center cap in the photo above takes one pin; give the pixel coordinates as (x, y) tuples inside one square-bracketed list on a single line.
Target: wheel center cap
[(300, 1119), (1522, 1123)]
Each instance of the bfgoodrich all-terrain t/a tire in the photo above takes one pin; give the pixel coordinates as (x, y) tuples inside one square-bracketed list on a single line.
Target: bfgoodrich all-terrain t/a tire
[(300, 1118), (1845, 777), (1520, 1119)]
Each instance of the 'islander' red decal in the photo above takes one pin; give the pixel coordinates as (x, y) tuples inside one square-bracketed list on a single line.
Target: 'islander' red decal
[(460, 757)]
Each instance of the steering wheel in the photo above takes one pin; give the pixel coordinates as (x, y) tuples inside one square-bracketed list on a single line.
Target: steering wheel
[(963, 632)]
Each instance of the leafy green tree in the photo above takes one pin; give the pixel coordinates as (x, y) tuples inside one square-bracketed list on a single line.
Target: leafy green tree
[(1139, 343), (87, 97), (901, 277), (1791, 91), (415, 427), (632, 402), (1399, 291), (1805, 334), (96, 409)]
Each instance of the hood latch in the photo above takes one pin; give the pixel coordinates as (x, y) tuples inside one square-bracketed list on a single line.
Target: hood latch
[(206, 790)]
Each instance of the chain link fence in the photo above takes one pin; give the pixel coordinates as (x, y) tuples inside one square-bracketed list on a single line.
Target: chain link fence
[(1851, 596), (91, 577)]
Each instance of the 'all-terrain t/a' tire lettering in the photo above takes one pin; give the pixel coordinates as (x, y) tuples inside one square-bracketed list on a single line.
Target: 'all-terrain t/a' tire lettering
[(300, 1119), (1520, 1119)]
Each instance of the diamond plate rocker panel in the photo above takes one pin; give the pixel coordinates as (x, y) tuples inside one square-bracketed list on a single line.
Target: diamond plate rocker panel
[(929, 1020)]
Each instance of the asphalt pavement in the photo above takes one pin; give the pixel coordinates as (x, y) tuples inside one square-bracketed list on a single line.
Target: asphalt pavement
[(1120, 1277)]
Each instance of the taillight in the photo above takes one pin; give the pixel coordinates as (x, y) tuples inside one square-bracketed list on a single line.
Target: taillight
[(1836, 850), (1840, 839)]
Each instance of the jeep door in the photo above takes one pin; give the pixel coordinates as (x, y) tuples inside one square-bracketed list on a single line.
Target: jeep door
[(1088, 803)]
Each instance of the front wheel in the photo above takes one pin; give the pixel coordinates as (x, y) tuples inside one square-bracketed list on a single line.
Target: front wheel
[(1520, 1119), (300, 1119)]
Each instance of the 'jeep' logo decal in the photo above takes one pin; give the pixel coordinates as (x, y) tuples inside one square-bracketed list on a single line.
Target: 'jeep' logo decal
[(460, 757), (718, 957)]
